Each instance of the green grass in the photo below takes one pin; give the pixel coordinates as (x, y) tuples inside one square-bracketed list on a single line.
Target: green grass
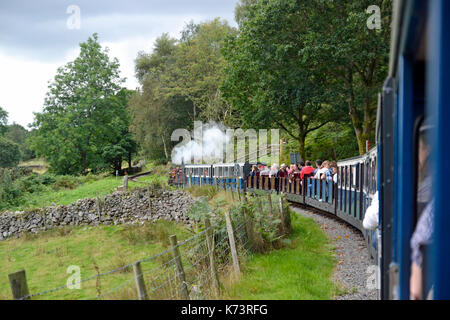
[(46, 256), (90, 189), (301, 271)]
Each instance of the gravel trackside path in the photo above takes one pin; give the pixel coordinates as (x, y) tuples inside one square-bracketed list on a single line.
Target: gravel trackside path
[(351, 253)]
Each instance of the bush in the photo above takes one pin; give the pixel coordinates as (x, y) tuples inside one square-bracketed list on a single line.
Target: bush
[(65, 182), (9, 192)]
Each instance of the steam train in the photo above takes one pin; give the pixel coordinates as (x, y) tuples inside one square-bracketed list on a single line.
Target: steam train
[(417, 91)]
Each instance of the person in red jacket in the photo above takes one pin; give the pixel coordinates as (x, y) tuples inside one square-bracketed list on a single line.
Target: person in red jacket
[(307, 170)]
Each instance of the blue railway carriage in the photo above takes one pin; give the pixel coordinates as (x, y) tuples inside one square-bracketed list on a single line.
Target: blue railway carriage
[(413, 139), (407, 168), (224, 174)]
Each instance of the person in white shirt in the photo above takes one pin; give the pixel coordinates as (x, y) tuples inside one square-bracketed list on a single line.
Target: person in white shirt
[(323, 170), (370, 221)]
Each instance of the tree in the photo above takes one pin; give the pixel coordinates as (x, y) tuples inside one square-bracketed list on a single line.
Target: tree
[(156, 110), (3, 121), (197, 70), (123, 144), (80, 112), (354, 57), (267, 81), (18, 134), (10, 154), (242, 10)]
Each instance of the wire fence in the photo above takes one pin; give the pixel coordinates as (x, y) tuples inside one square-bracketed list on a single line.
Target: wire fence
[(196, 268)]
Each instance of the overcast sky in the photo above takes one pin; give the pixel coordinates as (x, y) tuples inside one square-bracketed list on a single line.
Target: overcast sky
[(37, 37)]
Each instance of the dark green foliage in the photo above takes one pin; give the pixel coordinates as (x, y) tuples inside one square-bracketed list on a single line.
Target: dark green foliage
[(3, 121), (85, 115), (10, 154), (18, 134)]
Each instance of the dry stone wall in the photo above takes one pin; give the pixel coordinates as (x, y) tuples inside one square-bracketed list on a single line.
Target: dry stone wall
[(137, 206)]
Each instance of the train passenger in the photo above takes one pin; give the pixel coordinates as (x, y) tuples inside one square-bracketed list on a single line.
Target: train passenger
[(290, 170), (321, 171), (254, 172), (301, 165), (335, 173), (273, 171), (307, 170), (265, 171), (296, 172), (370, 221), (423, 233), (329, 174), (283, 171), (318, 166)]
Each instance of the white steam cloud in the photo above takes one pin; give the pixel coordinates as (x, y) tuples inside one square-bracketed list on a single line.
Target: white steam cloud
[(208, 144)]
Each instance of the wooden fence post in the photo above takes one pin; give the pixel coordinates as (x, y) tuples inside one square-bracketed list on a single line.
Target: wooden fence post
[(180, 269), (269, 199), (234, 255), (231, 189), (125, 182), (140, 283), (212, 260), (18, 284), (283, 221)]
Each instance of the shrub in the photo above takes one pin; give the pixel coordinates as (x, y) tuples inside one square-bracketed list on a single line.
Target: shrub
[(65, 182)]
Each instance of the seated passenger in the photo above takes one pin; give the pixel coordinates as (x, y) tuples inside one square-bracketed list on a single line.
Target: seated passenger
[(335, 174), (322, 170), (273, 171), (370, 221), (296, 172), (283, 171), (301, 165), (265, 171), (254, 171), (318, 166), (307, 171), (423, 233)]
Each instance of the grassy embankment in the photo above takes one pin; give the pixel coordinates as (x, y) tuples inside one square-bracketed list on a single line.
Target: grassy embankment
[(301, 271), (89, 187)]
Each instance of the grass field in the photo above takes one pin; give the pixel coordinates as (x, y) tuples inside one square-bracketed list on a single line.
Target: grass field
[(46, 257), (91, 189), (301, 271)]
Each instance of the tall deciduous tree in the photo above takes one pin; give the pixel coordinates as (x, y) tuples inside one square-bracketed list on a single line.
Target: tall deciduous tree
[(197, 70), (80, 112), (156, 110), (266, 79), (356, 57)]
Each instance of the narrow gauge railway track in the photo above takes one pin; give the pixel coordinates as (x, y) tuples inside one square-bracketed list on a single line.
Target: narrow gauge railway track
[(354, 271)]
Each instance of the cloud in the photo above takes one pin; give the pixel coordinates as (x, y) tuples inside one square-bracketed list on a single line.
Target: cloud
[(35, 40), (39, 28)]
